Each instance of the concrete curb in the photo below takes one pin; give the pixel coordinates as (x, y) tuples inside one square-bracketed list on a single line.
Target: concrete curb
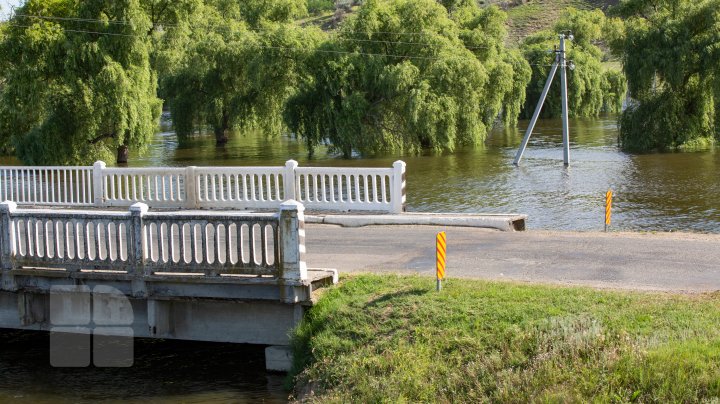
[(509, 222)]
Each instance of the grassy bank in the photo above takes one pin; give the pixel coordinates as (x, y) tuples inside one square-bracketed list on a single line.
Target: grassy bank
[(393, 338)]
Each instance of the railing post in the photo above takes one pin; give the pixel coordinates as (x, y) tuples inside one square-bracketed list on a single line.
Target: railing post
[(7, 241), (191, 198), (98, 183), (291, 232), (398, 187), (138, 241), (289, 182)]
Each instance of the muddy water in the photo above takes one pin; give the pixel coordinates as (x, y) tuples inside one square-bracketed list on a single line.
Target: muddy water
[(653, 192)]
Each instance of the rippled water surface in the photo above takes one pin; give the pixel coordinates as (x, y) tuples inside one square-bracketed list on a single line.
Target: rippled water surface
[(655, 192)]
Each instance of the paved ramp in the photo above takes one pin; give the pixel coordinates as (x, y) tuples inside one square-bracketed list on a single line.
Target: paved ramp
[(668, 261)]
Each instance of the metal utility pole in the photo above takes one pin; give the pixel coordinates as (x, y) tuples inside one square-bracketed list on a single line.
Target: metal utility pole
[(560, 61), (564, 100)]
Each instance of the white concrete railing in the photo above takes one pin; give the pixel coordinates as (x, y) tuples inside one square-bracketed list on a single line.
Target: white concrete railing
[(145, 243), (345, 189), (60, 186)]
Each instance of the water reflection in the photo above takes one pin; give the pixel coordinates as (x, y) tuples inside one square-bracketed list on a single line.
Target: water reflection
[(165, 371)]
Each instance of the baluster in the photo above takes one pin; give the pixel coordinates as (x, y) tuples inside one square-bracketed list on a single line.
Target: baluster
[(193, 244), (86, 240), (21, 194), (28, 238), (58, 240), (171, 181), (253, 194), (228, 244), (163, 190), (219, 249), (113, 179), (14, 196), (48, 237), (77, 185), (34, 185), (357, 198), (204, 244), (150, 193), (263, 245), (383, 184), (163, 242), (173, 249), (109, 244), (348, 181), (306, 183), (245, 190), (134, 187), (36, 236), (251, 244), (261, 186)]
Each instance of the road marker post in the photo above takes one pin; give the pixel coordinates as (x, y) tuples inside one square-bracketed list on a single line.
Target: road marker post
[(440, 257), (608, 208)]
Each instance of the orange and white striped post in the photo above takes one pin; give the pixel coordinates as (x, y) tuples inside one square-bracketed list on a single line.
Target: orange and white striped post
[(608, 208), (440, 255)]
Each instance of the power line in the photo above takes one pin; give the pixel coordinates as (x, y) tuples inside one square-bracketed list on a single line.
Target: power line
[(272, 47), (90, 20)]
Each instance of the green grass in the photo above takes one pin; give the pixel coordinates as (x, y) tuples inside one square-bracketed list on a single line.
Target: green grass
[(394, 339)]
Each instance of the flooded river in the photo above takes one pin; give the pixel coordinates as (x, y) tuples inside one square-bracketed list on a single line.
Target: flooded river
[(653, 192)]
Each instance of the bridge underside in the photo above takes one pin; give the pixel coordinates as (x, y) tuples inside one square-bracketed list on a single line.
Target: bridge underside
[(237, 309)]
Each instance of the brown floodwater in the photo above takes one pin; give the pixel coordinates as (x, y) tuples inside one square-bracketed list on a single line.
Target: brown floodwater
[(653, 192)]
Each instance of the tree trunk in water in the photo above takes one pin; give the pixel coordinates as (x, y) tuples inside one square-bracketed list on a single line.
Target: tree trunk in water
[(221, 133), (221, 136), (122, 154)]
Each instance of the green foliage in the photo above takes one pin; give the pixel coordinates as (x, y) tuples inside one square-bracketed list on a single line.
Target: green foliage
[(671, 55), (591, 89), (376, 88), (73, 97), (320, 6), (230, 75), (395, 339), (256, 12)]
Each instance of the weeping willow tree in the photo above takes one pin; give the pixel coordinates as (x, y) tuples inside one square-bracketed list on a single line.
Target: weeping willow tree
[(78, 83), (671, 55), (233, 64), (406, 75), (592, 89)]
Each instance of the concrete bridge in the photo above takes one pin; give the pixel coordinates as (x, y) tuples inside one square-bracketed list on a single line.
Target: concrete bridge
[(180, 259), (199, 275)]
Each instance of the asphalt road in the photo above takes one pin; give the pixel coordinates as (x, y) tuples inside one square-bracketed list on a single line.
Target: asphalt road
[(646, 261)]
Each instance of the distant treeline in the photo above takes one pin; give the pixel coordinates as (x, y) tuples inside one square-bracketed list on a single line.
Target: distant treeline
[(87, 80)]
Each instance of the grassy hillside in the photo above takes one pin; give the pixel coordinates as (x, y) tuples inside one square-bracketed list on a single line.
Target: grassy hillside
[(536, 15), (524, 16)]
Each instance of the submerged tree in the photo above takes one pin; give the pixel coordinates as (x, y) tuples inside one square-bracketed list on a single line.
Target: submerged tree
[(237, 64), (671, 55), (78, 84), (404, 75), (592, 89)]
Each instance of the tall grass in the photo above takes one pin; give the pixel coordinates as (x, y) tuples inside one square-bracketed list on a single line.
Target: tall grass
[(394, 339)]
